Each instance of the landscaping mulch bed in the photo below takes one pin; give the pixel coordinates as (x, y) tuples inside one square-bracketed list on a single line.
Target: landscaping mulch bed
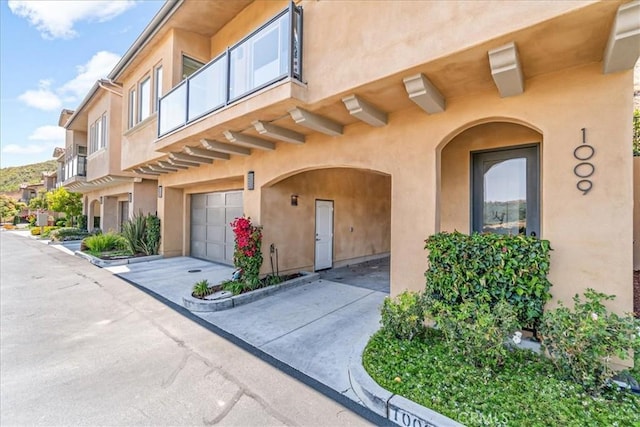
[(636, 293)]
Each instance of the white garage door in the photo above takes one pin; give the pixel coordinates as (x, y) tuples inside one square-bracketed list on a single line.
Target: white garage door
[(211, 234)]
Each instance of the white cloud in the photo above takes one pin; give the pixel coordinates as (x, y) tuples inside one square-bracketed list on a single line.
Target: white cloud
[(46, 137), (42, 98), (48, 133), (73, 91), (26, 149), (55, 19), (99, 66)]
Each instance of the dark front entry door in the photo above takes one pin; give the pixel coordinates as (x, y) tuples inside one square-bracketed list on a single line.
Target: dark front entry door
[(506, 196)]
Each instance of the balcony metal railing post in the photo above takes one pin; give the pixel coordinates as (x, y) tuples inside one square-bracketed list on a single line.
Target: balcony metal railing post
[(227, 94)]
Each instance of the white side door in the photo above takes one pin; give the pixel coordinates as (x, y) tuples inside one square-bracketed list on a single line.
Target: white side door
[(324, 234)]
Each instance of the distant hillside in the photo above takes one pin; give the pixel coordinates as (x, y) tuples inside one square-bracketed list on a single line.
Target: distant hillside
[(11, 178)]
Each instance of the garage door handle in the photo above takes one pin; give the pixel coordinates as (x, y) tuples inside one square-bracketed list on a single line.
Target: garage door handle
[(317, 240)]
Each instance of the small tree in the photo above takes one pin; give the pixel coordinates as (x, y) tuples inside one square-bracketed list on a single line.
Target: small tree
[(60, 200), (40, 201), (9, 208)]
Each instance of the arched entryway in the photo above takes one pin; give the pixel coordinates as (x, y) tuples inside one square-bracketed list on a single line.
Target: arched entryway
[(93, 215), (490, 178), (325, 218)]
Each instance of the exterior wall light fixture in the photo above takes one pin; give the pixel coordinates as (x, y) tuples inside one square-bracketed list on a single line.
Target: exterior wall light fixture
[(159, 191), (130, 197), (294, 200), (101, 199), (251, 180)]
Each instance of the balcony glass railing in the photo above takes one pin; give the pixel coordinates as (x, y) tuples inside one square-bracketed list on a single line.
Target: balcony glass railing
[(268, 55), (75, 166)]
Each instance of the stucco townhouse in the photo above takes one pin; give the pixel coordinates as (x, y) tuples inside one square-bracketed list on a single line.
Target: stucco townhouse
[(354, 130)]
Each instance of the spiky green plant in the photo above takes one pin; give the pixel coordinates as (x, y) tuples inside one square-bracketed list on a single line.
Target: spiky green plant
[(201, 289)]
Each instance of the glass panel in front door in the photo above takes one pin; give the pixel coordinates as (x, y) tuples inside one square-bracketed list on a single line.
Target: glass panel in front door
[(505, 197)]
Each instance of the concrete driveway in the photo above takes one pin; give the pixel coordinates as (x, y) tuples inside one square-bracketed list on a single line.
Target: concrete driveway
[(314, 329)]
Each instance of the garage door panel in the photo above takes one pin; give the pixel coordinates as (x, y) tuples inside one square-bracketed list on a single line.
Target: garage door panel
[(198, 201), (215, 200), (199, 216), (198, 249), (233, 199), (216, 233), (211, 234), (215, 250), (229, 252), (232, 213), (216, 216), (198, 232)]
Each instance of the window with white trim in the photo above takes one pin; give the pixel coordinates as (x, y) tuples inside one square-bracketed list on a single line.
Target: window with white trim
[(144, 107), (132, 108), (157, 78), (98, 134)]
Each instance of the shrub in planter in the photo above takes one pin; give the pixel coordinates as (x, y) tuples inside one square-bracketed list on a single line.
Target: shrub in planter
[(201, 289), (36, 231), (582, 342), (479, 331), (105, 242), (68, 233), (488, 268), (142, 234), (247, 255), (403, 316)]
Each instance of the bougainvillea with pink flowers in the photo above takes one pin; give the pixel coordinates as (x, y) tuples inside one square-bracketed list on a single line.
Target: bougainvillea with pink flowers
[(247, 256)]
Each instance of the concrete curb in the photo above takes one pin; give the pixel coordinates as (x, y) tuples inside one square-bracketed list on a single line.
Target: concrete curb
[(109, 263), (196, 304), (395, 408)]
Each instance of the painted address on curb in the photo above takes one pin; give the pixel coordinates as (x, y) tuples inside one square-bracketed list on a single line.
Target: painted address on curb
[(406, 419)]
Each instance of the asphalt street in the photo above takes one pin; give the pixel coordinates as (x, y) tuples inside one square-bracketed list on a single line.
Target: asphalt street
[(80, 346)]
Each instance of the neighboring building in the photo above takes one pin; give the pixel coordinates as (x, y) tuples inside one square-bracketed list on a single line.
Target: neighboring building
[(91, 161), (29, 191), (354, 130)]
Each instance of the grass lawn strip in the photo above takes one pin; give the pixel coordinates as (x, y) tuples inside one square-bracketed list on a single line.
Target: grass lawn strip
[(527, 392)]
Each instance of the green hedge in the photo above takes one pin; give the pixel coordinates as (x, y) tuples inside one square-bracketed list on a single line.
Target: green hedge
[(487, 268)]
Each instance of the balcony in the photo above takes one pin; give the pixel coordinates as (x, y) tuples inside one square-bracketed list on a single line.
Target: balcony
[(75, 169), (266, 56)]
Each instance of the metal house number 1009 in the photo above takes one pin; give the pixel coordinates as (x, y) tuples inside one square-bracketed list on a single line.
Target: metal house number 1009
[(584, 169)]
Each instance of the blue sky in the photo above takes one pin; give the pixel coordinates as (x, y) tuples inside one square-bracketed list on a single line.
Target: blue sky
[(51, 53)]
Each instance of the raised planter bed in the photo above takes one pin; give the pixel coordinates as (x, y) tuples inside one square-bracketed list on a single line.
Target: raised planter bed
[(196, 304), (111, 262)]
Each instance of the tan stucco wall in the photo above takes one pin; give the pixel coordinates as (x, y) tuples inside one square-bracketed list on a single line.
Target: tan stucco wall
[(592, 245), (170, 211), (106, 161), (636, 213), (362, 216), (145, 197), (406, 34), (243, 24)]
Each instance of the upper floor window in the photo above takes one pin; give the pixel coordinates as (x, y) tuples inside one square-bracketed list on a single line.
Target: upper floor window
[(157, 78), (144, 108), (132, 108), (190, 66), (97, 135)]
